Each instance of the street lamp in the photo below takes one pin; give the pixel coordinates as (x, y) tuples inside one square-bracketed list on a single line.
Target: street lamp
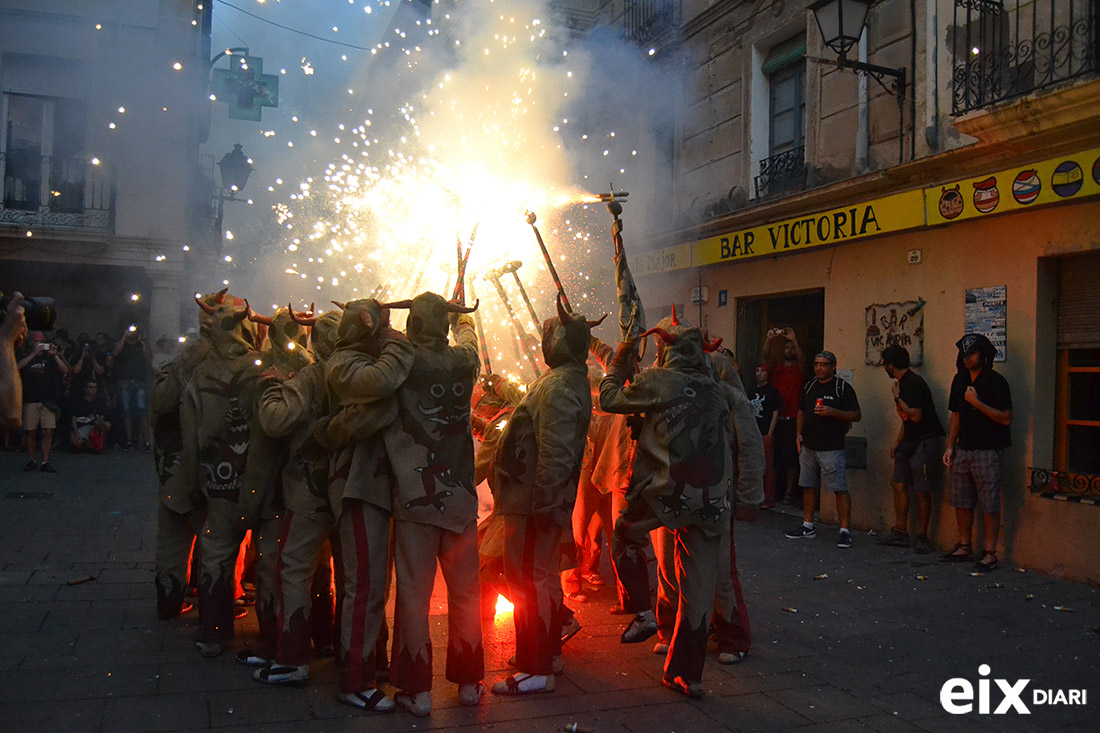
[(235, 169), (841, 23)]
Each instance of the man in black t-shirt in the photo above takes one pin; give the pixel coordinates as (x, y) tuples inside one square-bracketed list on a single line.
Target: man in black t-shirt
[(766, 402), (41, 369), (89, 426), (980, 409), (827, 409), (912, 450)]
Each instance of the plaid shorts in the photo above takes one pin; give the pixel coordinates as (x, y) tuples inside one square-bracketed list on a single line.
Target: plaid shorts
[(976, 474)]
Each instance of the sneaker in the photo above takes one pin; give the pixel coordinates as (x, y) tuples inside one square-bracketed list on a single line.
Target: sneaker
[(802, 532), (731, 657), (47, 468), (31, 466), (923, 546), (641, 627), (844, 540), (894, 538)]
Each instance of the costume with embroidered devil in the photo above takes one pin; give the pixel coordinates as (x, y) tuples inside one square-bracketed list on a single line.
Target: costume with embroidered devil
[(370, 362), (684, 470), (288, 410), (182, 506), (434, 500), (534, 483), (236, 466)]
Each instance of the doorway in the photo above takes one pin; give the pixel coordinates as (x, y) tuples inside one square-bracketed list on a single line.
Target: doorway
[(803, 311)]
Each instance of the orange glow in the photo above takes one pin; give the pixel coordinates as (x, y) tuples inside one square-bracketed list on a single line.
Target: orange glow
[(503, 605)]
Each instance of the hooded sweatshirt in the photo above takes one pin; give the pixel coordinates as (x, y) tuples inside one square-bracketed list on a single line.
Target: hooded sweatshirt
[(538, 460), (288, 410), (362, 376), (430, 444), (686, 465), (234, 461)]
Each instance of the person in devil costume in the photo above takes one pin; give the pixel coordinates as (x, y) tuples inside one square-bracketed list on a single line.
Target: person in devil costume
[(285, 348), (182, 507), (435, 503), (370, 362), (288, 409), (235, 464), (534, 483), (698, 441)]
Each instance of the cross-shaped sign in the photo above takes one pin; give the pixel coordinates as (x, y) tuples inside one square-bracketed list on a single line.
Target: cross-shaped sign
[(246, 88)]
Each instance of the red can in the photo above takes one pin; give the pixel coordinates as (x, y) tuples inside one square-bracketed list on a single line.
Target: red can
[(820, 402)]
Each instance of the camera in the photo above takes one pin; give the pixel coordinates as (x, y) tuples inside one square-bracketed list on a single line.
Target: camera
[(39, 312)]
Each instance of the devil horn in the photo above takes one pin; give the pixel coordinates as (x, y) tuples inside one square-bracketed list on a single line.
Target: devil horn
[(208, 308), (593, 324), (454, 307), (675, 321), (667, 337), (709, 346), (338, 304), (312, 308), (563, 315), (396, 304), (300, 318), (219, 297), (246, 313), (256, 317)]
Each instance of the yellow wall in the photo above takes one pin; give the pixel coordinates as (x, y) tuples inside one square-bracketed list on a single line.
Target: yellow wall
[(1057, 537)]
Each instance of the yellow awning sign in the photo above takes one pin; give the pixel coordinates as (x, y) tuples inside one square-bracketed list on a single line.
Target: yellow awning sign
[(1051, 181), (858, 221)]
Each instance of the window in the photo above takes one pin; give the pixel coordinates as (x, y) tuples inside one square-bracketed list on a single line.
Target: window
[(784, 168), (43, 162), (1077, 408)]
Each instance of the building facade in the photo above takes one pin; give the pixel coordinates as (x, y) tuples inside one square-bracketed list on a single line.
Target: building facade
[(104, 208), (864, 212)]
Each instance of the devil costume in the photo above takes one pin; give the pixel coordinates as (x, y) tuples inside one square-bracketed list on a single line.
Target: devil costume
[(235, 464), (363, 374), (288, 409), (684, 470), (534, 483), (182, 507), (434, 500)]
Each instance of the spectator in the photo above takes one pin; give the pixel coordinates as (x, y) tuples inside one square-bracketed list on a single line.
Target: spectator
[(86, 368), (13, 327), (766, 403), (828, 408), (132, 360), (787, 373), (913, 448), (165, 352), (89, 426), (41, 370), (980, 413)]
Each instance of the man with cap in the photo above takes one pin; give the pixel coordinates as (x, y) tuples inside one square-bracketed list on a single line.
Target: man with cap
[(980, 413), (826, 410)]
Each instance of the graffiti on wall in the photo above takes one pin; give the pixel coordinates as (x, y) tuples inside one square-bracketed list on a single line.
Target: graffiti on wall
[(895, 323)]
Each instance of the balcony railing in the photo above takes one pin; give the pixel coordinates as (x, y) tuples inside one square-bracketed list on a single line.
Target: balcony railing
[(1008, 49), (647, 20), (783, 172), (50, 191), (1066, 485)]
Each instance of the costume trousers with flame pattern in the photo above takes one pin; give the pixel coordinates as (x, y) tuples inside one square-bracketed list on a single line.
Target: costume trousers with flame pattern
[(364, 537), (416, 549), (532, 553), (219, 544), (175, 538), (298, 571), (688, 558)]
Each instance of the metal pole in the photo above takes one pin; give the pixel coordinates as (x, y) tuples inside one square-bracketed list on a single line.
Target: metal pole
[(516, 326), (481, 335), (531, 218)]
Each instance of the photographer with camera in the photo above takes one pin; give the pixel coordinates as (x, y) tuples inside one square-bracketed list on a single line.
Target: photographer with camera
[(41, 371), (132, 359), (13, 327), (86, 368)]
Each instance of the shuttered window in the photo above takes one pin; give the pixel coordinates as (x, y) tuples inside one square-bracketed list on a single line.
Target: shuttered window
[(1077, 429), (1079, 302)]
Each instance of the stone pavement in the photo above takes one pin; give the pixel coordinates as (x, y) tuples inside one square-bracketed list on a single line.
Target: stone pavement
[(843, 640)]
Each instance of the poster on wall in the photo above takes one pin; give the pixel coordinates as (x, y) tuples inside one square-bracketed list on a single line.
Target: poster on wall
[(986, 313), (895, 323)]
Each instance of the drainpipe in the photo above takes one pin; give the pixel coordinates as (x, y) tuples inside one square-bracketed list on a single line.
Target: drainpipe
[(932, 64), (913, 66), (863, 130)]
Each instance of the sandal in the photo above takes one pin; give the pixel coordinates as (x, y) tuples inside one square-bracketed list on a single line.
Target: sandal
[(557, 664), (577, 597), (471, 695), (569, 629), (679, 684), (522, 683), (282, 674), (983, 566), (641, 627), (250, 658), (731, 657), (594, 579), (955, 555), (407, 701), (372, 701)]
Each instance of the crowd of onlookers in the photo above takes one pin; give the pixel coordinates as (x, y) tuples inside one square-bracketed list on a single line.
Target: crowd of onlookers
[(86, 394)]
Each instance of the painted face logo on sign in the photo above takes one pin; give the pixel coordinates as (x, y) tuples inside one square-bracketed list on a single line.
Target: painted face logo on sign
[(1026, 187), (986, 195), (951, 202)]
